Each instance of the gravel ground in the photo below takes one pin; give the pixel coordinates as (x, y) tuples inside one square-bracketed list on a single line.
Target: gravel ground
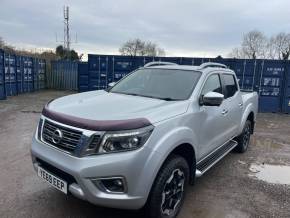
[(227, 190)]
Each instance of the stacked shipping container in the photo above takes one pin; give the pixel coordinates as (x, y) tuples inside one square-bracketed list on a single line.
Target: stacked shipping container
[(2, 81), (20, 74), (270, 78)]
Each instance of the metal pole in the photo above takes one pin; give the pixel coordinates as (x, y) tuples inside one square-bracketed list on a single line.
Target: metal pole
[(262, 69), (21, 73), (113, 69), (8, 75), (98, 87), (244, 74), (107, 60), (254, 75)]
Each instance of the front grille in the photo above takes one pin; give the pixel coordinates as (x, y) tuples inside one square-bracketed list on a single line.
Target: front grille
[(70, 137)]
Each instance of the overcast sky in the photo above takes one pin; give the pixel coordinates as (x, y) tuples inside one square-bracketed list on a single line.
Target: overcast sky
[(182, 27)]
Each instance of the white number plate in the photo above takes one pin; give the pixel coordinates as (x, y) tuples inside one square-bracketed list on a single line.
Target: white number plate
[(53, 180)]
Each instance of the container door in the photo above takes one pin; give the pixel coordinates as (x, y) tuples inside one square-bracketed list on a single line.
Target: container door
[(2, 85), (286, 96), (83, 77), (270, 85)]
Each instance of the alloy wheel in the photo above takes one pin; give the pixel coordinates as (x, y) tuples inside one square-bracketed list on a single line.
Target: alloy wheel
[(246, 136), (173, 192)]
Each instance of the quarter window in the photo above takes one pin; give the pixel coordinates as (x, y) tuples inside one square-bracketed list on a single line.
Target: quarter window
[(212, 84), (230, 85)]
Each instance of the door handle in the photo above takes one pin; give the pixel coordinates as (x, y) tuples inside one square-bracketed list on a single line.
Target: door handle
[(224, 112)]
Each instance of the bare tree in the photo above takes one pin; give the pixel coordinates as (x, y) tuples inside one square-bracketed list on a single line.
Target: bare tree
[(280, 46), (47, 54), (137, 47), (161, 52), (150, 49), (254, 45), (133, 47), (271, 49), (2, 44), (237, 53)]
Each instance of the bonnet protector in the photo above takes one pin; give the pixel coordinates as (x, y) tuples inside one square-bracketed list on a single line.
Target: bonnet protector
[(96, 125)]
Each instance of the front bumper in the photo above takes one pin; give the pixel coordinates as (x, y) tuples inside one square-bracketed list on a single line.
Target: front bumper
[(132, 165)]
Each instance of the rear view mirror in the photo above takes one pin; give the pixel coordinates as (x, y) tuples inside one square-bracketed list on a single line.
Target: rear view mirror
[(212, 99)]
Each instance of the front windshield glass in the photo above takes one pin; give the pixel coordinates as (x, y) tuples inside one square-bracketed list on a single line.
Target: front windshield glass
[(164, 84)]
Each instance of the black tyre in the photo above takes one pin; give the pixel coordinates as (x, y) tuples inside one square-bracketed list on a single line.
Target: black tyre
[(244, 139), (168, 191)]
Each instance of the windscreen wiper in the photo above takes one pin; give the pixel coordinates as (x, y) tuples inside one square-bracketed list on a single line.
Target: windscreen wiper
[(168, 99), (125, 93), (149, 96), (165, 99)]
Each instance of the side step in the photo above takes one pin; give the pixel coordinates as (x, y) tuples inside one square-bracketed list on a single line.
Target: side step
[(210, 160)]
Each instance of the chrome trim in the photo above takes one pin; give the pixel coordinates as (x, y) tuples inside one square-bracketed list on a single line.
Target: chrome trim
[(214, 150), (158, 63), (76, 190), (87, 133), (199, 173), (84, 131), (212, 64)]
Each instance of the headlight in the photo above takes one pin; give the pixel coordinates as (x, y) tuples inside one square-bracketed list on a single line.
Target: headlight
[(120, 141)]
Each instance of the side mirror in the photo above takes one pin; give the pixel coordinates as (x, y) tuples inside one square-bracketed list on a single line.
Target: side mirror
[(110, 85), (212, 99)]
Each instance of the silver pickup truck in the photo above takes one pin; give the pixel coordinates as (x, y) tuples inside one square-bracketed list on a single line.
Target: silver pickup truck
[(141, 142)]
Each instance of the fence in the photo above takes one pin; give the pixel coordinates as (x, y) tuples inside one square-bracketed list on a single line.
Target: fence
[(270, 78), (63, 75), (20, 74)]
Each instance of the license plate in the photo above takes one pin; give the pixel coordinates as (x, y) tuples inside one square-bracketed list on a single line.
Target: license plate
[(52, 180)]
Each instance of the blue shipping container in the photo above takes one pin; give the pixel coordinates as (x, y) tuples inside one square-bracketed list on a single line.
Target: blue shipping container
[(270, 85), (16, 74), (286, 96), (10, 74), (270, 78), (27, 74), (83, 77), (2, 81)]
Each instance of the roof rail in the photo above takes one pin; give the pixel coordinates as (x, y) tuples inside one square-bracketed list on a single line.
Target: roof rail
[(212, 64), (158, 63)]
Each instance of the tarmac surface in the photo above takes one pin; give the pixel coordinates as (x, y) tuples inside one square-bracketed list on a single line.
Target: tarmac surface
[(232, 188)]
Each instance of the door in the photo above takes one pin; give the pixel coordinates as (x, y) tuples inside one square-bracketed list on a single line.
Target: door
[(233, 104), (213, 121)]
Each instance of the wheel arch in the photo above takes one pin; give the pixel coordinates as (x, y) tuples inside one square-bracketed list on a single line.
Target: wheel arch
[(187, 151), (248, 114), (179, 141), (251, 118)]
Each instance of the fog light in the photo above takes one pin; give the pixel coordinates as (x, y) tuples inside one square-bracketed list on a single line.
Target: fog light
[(111, 185)]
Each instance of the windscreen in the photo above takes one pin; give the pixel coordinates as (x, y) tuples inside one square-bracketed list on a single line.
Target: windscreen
[(167, 84)]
